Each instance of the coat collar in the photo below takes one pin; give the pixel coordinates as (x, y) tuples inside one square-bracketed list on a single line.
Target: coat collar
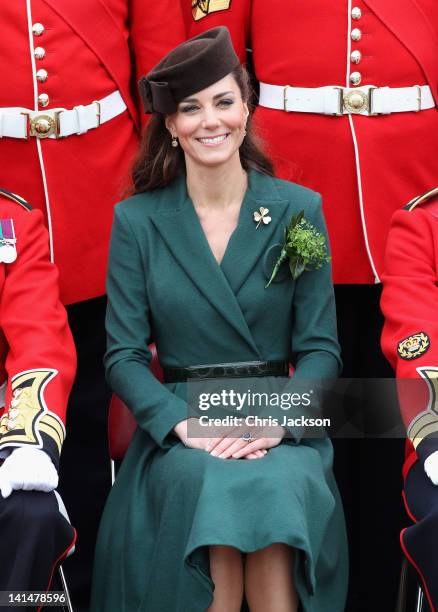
[(94, 24), (415, 32), (179, 227)]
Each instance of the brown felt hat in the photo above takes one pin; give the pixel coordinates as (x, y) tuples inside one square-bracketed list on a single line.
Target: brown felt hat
[(190, 67)]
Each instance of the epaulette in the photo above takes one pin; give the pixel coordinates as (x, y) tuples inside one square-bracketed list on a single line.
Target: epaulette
[(15, 198), (421, 199)]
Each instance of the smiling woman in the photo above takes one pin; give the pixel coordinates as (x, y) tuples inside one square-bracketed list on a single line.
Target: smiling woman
[(214, 113), (199, 523), (210, 127)]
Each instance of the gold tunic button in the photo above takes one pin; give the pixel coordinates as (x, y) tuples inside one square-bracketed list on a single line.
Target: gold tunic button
[(39, 53), (43, 100), (13, 413), (356, 13), (11, 424), (356, 34), (37, 29), (14, 402), (42, 75), (355, 78), (356, 56)]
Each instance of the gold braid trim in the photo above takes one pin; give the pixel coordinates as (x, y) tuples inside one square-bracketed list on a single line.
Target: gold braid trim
[(27, 414), (426, 423), (202, 8), (430, 375), (52, 425)]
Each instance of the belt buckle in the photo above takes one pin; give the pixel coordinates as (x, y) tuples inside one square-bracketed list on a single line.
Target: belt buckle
[(43, 125), (356, 100)]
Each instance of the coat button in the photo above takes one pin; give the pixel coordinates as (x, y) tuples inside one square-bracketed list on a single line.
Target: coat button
[(356, 56), (43, 100), (356, 13), (37, 29), (39, 52), (356, 34), (42, 75), (11, 424), (355, 78)]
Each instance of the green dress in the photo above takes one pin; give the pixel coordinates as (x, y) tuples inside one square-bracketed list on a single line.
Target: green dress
[(169, 502)]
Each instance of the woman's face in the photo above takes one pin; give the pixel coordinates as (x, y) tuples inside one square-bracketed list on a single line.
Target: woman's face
[(210, 125)]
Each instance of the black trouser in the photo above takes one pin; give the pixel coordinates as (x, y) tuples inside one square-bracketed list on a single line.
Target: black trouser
[(368, 471), (420, 541), (34, 537), (85, 477)]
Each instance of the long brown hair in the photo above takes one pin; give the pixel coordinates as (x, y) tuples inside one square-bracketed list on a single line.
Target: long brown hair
[(158, 163)]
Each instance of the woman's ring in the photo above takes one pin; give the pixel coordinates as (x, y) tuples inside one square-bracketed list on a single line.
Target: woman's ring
[(247, 436)]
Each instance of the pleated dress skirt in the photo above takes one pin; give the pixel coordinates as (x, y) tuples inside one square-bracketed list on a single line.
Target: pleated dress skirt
[(169, 505)]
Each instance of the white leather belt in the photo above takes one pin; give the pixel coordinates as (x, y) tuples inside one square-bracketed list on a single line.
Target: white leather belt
[(333, 100), (16, 122)]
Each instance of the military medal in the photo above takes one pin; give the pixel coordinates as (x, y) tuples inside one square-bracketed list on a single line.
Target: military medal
[(8, 250)]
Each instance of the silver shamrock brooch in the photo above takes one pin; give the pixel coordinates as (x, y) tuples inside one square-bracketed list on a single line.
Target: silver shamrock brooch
[(261, 216)]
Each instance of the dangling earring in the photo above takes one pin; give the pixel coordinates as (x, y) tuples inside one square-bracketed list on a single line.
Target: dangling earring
[(174, 141)]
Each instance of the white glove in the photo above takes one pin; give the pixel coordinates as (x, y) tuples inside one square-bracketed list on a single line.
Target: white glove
[(431, 467), (29, 469)]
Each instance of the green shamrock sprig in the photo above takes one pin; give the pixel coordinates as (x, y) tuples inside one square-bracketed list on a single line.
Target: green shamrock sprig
[(303, 245)]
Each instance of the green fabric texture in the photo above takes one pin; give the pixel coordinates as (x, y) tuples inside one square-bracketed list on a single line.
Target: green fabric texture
[(169, 502)]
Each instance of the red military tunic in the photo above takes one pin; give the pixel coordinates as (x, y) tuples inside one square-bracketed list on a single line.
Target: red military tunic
[(365, 167), (63, 53), (410, 335), (37, 354)]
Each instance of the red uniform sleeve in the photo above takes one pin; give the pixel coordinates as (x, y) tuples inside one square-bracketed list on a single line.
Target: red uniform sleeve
[(410, 334), (201, 15), (155, 29), (41, 357)]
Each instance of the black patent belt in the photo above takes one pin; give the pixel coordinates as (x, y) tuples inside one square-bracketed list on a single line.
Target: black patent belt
[(241, 369)]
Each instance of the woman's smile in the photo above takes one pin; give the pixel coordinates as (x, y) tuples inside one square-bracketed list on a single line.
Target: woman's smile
[(213, 141)]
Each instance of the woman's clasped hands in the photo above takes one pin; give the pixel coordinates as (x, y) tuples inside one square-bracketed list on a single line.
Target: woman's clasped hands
[(242, 442)]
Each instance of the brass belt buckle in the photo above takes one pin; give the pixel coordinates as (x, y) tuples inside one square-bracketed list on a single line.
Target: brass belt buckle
[(356, 101), (44, 125)]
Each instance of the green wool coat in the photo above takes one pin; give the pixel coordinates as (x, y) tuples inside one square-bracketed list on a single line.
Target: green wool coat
[(169, 502)]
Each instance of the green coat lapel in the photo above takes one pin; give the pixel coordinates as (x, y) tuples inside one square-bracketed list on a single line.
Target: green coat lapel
[(247, 244), (180, 229)]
